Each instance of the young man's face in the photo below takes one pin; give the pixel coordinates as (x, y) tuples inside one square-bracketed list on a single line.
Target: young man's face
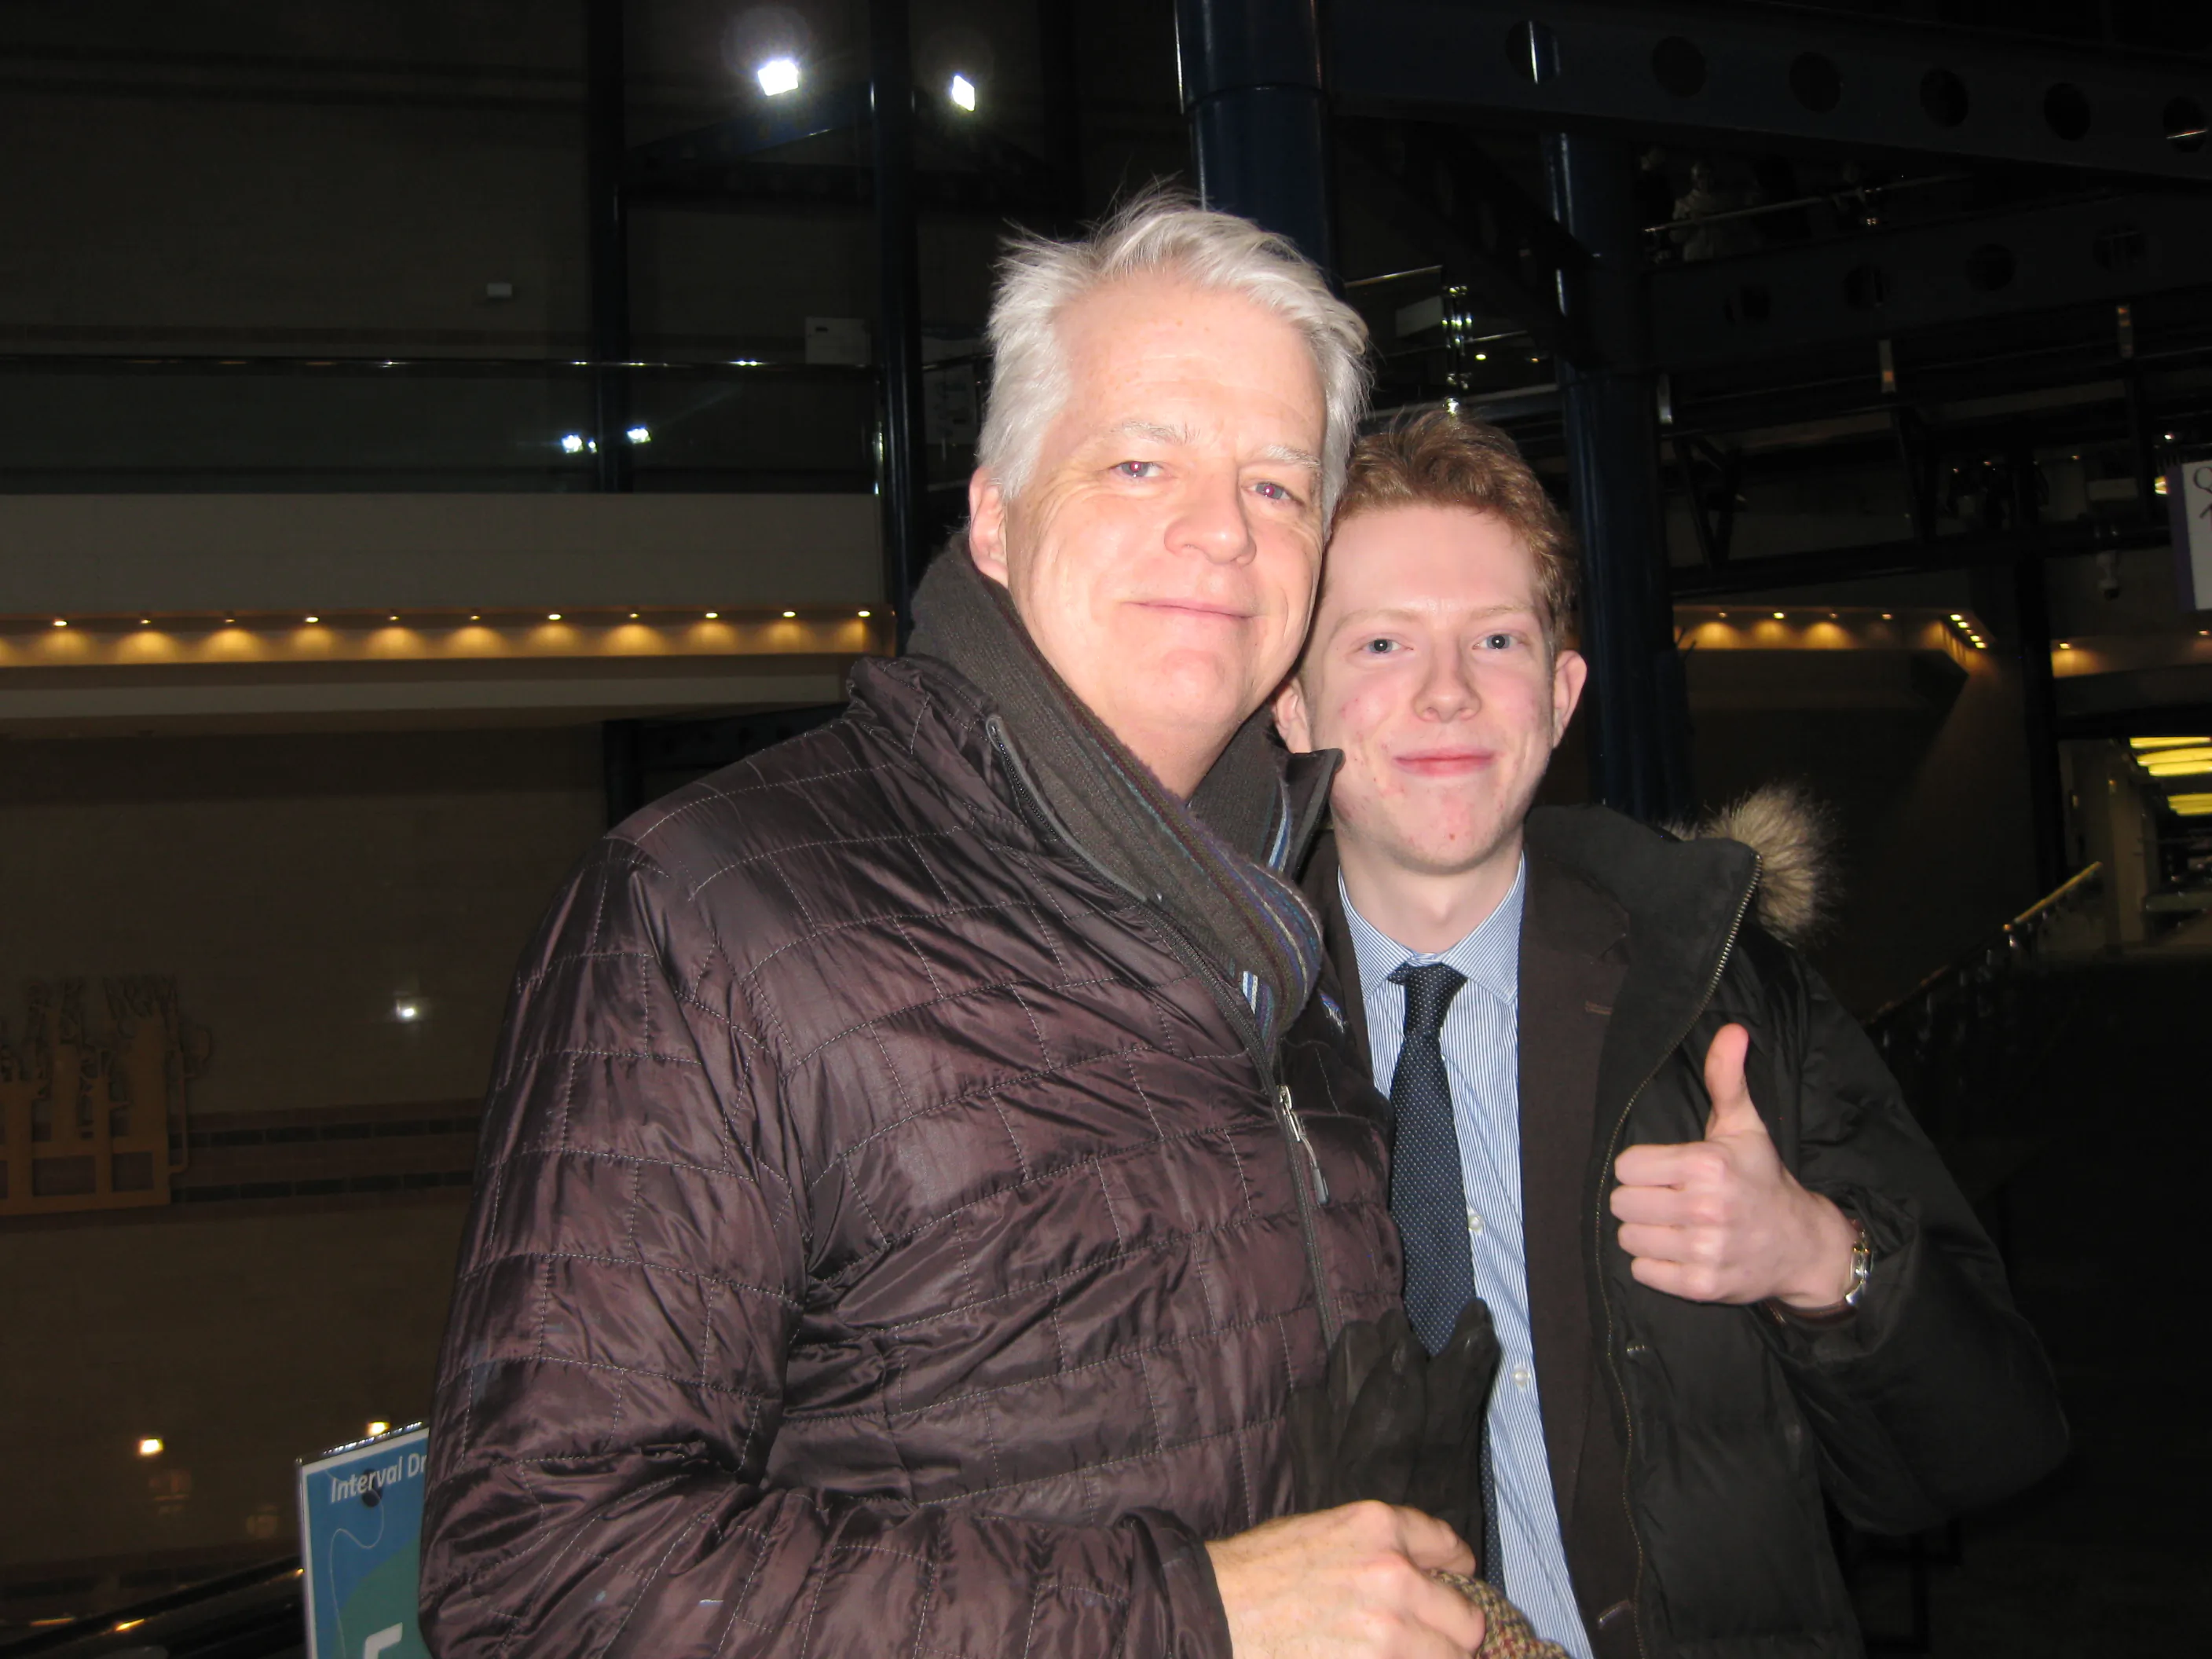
[(1428, 667)]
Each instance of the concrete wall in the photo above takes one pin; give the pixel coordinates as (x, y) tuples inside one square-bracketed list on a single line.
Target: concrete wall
[(297, 887)]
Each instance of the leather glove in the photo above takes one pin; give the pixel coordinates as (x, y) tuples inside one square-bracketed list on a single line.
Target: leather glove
[(1395, 1424)]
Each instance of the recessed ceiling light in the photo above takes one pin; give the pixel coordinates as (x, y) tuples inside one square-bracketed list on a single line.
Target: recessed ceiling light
[(552, 616), (788, 615), (777, 76), (314, 619), (60, 622), (1779, 616), (864, 613), (150, 1446), (714, 616), (962, 92)]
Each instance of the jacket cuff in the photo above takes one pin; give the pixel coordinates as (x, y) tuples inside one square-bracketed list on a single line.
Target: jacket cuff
[(1196, 1625)]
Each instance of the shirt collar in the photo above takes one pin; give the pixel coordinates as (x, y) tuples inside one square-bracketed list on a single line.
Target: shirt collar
[(1490, 954)]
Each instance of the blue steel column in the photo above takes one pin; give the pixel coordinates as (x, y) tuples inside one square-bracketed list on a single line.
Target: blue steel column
[(1259, 126), (903, 469), (1637, 704)]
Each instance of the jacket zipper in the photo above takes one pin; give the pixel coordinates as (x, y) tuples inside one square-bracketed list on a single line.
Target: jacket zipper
[(1597, 1235), (1233, 1007)]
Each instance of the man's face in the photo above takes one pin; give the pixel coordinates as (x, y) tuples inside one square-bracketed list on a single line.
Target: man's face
[(1164, 552), (1428, 668)]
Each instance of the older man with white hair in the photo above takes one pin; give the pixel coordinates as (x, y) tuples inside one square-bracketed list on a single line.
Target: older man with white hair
[(906, 1209)]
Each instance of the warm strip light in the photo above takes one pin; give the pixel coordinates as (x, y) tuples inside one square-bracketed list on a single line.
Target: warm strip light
[(2191, 806), (2180, 769), (2199, 750), (2140, 743)]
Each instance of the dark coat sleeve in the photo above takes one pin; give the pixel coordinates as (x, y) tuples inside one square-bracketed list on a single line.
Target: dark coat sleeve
[(1935, 1396), (633, 1275)]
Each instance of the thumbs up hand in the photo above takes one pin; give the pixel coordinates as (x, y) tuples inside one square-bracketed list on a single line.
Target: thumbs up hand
[(1722, 1219)]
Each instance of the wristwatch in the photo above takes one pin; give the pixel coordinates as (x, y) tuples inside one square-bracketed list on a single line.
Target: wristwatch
[(1861, 1269)]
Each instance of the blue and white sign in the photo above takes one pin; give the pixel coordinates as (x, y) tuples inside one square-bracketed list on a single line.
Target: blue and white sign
[(361, 1541)]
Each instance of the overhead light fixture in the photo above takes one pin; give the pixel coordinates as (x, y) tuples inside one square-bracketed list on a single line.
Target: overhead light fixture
[(407, 1010), (1886, 617), (2064, 646), (962, 92), (60, 622), (377, 1428), (778, 75), (314, 619), (2191, 805), (2139, 744), (864, 614), (145, 621), (552, 616), (788, 615), (150, 1446), (2194, 754), (639, 434), (2180, 769), (1779, 616), (572, 443), (714, 616), (633, 616)]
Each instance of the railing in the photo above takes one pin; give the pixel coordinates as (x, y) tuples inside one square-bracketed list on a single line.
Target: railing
[(1968, 1042), (95, 424)]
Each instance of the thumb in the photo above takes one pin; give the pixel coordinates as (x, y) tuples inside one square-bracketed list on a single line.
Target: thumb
[(1733, 1112)]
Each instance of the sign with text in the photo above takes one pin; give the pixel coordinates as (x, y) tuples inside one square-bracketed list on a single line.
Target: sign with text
[(2188, 498), (361, 1540)]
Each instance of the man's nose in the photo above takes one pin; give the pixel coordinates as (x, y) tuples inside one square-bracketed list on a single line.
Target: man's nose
[(1211, 520), (1448, 690)]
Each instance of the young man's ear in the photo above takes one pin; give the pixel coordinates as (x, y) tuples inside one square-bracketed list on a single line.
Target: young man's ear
[(986, 525), (1290, 717), (1570, 672)]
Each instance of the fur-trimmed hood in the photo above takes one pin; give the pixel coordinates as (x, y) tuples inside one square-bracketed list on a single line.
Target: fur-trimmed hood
[(1793, 832)]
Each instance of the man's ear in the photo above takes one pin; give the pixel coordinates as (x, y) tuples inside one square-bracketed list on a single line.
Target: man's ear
[(986, 525), (1291, 717), (1570, 672)]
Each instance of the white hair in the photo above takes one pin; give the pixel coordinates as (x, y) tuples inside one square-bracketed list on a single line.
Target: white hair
[(1160, 232)]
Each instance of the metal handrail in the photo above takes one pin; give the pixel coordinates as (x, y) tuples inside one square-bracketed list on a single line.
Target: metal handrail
[(2004, 933)]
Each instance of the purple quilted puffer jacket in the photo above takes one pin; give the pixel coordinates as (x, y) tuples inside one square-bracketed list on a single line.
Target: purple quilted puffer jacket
[(883, 1242)]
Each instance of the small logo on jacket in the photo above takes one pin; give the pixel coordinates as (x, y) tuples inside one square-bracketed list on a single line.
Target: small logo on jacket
[(1328, 1006)]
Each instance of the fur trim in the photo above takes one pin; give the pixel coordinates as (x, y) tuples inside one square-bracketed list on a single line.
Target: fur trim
[(1793, 834)]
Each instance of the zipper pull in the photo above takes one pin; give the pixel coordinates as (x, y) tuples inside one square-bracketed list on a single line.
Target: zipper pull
[(1298, 1133)]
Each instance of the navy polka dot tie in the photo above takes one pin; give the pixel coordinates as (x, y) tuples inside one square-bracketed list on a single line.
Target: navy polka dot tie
[(1428, 1195)]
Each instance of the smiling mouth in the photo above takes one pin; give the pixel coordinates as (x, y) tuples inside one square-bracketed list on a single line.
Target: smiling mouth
[(1196, 608), (1446, 762)]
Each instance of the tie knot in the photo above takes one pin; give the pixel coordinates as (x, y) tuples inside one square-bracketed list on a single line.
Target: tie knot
[(1430, 988)]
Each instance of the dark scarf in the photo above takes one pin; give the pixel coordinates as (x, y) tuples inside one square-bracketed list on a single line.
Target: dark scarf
[(1211, 865)]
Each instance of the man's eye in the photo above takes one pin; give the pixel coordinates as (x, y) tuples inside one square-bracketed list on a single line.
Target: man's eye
[(1273, 491), (1137, 468), (1498, 641), (1378, 647)]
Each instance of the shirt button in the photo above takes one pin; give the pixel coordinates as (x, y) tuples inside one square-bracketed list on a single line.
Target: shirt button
[(1474, 1223), (1522, 1377)]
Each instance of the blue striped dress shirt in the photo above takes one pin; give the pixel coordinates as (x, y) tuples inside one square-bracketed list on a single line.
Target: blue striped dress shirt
[(1481, 1043)]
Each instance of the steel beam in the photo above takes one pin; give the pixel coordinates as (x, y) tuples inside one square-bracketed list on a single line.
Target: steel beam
[(1701, 71), (2033, 542), (1259, 123), (606, 95), (1888, 283), (1639, 747), (898, 314)]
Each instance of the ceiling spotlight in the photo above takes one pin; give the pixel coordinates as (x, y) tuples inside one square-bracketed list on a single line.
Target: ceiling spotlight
[(788, 615), (552, 616), (377, 1428), (633, 616), (406, 1009), (1779, 616), (1482, 356), (393, 617), (778, 75), (962, 92), (714, 616), (314, 619), (473, 616), (145, 621), (60, 622), (572, 443), (864, 614), (1886, 617), (639, 434), (150, 1446), (2064, 645)]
